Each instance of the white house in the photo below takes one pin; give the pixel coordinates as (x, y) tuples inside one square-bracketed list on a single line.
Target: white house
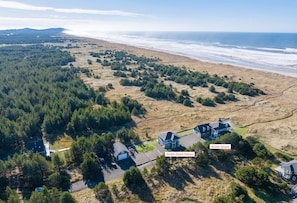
[(168, 140), (212, 130)]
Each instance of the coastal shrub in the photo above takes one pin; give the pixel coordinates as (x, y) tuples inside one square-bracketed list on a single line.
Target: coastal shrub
[(185, 93), (244, 89), (246, 174), (187, 102), (283, 156), (102, 192), (252, 175), (133, 105), (222, 97), (237, 194), (105, 63), (221, 199), (110, 86), (206, 101), (133, 177), (212, 89), (261, 151), (120, 74), (202, 153), (90, 167), (159, 91), (126, 135), (116, 66), (162, 165)]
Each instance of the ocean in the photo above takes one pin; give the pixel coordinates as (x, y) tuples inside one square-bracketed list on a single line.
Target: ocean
[(273, 52)]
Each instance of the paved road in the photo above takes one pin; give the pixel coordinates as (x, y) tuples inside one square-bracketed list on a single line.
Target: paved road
[(141, 160), (189, 140)]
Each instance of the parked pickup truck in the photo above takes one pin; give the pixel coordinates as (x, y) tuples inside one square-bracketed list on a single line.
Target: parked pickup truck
[(288, 170)]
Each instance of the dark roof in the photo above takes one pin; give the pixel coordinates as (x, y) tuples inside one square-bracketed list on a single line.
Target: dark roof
[(170, 135), (203, 128), (36, 146), (119, 147), (206, 127), (219, 125)]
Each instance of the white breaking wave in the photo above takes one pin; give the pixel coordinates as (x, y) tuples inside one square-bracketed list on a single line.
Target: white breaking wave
[(283, 61)]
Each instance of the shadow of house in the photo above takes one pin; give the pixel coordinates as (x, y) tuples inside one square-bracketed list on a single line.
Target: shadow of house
[(168, 140)]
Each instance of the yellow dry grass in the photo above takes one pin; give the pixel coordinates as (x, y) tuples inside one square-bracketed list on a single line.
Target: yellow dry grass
[(271, 116)]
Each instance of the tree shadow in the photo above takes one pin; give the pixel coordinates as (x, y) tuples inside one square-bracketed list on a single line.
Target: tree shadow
[(143, 192), (227, 166), (200, 172), (126, 163), (178, 178), (271, 192), (91, 183)]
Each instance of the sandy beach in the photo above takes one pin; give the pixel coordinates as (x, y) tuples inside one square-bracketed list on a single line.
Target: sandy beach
[(271, 117)]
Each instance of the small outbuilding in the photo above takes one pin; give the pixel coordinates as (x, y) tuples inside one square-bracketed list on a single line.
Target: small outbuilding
[(120, 151), (168, 140)]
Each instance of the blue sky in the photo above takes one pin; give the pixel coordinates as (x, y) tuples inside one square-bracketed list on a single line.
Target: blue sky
[(152, 15)]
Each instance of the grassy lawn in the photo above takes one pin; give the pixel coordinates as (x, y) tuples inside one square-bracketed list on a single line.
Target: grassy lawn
[(239, 130), (146, 146), (62, 142)]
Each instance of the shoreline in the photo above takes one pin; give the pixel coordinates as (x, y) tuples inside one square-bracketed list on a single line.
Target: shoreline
[(292, 73)]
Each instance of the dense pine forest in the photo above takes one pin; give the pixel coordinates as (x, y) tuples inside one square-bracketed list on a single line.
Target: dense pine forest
[(37, 95)]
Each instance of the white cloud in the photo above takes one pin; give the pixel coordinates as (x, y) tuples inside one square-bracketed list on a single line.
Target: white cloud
[(28, 7), (95, 12), (21, 6)]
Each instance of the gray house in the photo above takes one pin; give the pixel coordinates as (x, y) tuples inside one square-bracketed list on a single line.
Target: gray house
[(288, 170), (120, 151), (168, 140), (212, 130), (37, 146)]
